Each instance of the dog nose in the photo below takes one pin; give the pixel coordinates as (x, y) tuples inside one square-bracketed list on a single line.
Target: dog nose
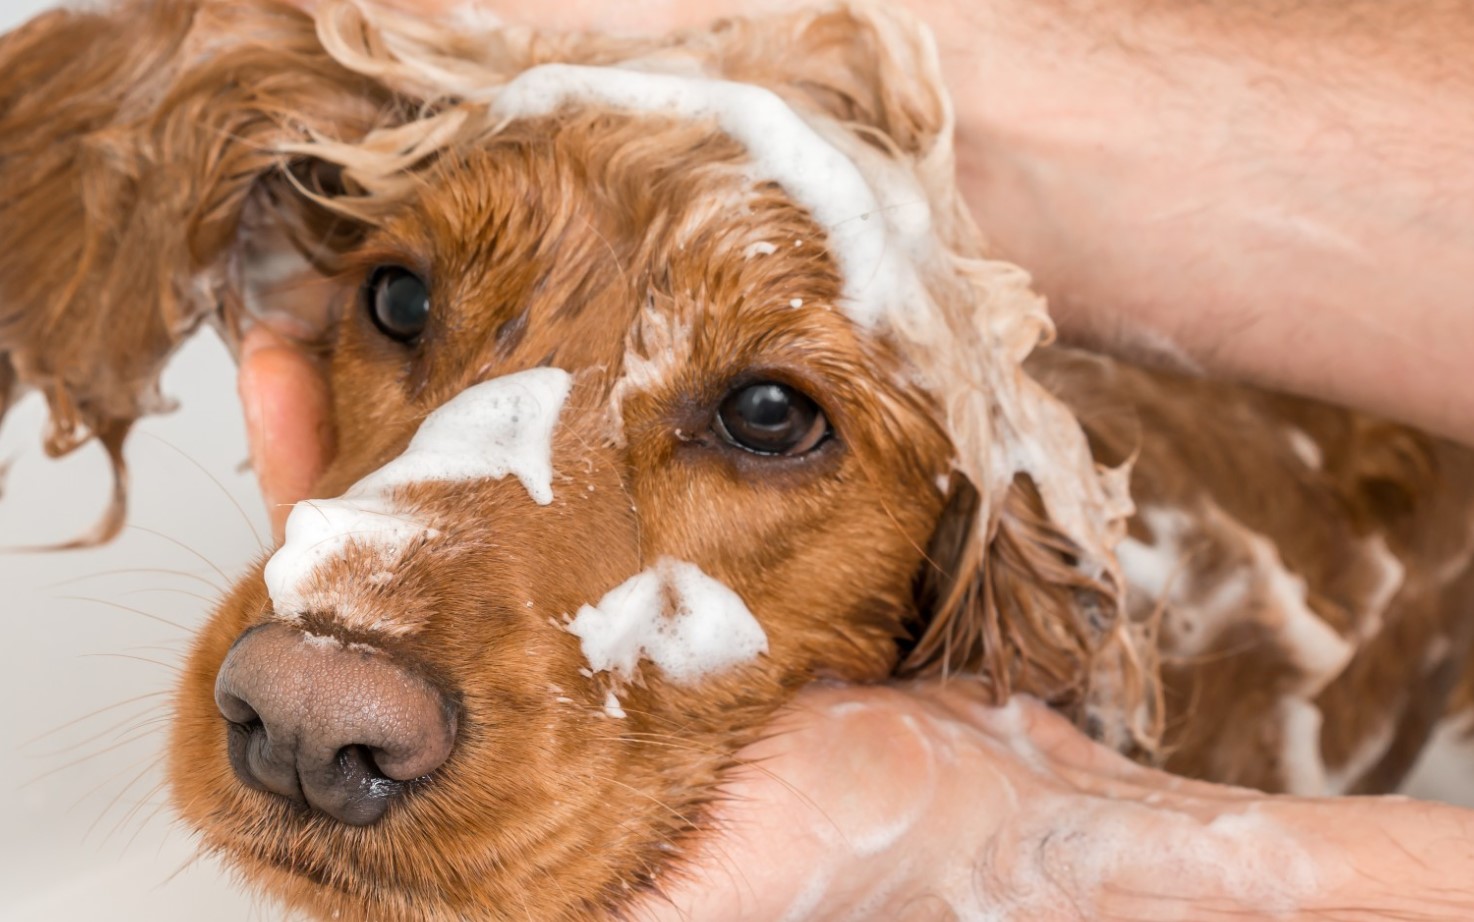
[(338, 728)]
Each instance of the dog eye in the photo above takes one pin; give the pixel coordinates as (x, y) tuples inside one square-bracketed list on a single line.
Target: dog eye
[(771, 419), (398, 302)]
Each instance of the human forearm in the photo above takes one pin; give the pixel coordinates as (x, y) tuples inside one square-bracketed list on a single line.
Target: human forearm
[(1384, 858), (1284, 199)]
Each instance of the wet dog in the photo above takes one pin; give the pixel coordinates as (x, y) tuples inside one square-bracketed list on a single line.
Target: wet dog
[(668, 376)]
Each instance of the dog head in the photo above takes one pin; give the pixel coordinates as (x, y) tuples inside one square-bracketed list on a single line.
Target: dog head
[(668, 375)]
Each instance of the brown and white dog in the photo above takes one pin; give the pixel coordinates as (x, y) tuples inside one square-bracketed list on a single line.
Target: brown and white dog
[(668, 376)]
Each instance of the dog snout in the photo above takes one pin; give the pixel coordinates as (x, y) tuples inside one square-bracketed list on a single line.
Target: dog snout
[(338, 728)]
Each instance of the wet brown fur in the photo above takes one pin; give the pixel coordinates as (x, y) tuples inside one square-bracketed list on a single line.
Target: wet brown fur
[(131, 157)]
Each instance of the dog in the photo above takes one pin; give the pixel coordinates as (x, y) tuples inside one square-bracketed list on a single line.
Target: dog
[(669, 375)]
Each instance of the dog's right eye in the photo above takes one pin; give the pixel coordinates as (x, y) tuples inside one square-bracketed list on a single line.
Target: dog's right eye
[(768, 418), (398, 302)]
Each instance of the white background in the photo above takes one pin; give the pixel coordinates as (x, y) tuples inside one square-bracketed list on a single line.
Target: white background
[(80, 838)]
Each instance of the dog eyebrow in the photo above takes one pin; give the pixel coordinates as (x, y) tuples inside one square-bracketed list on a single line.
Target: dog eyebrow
[(875, 243), (487, 431)]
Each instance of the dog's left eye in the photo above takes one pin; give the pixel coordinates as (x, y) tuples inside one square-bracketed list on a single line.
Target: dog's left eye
[(398, 302), (768, 418)]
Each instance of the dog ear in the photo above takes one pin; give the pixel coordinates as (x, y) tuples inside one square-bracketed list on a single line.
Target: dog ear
[(1014, 605), (132, 143)]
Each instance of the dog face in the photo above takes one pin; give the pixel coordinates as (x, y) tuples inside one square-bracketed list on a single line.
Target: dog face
[(652, 405), (759, 448)]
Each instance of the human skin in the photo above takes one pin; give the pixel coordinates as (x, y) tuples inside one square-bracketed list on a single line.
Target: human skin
[(1271, 191)]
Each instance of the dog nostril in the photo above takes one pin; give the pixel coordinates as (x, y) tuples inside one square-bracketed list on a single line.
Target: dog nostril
[(338, 730), (249, 749), (235, 710)]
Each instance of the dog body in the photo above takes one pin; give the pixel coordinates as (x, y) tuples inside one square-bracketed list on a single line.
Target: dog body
[(1309, 566), (639, 430)]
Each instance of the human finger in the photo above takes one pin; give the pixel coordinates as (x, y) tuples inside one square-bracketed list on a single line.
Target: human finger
[(287, 402)]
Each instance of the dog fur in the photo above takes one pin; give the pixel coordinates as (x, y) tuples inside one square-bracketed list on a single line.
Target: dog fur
[(1244, 587)]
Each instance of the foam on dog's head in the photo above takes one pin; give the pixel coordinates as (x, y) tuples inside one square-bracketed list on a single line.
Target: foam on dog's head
[(876, 243)]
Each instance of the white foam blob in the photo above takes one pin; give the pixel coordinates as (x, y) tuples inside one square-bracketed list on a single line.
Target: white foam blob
[(1305, 448), (674, 615), (489, 430), (873, 242), (611, 706)]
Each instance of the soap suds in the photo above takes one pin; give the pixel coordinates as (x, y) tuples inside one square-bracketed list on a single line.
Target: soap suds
[(1317, 648), (874, 256), (674, 615), (1200, 605), (489, 430), (1083, 846), (1305, 448), (1302, 767), (809, 898), (499, 427), (1151, 569), (611, 706), (1391, 574)]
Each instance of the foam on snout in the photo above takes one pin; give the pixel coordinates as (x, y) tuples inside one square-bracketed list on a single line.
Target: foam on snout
[(674, 615), (488, 431)]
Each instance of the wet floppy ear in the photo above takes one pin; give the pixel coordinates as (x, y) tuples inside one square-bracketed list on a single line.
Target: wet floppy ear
[(1010, 603), (1013, 602), (131, 144)]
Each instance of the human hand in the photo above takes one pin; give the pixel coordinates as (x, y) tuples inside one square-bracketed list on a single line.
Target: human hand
[(287, 406), (917, 802)]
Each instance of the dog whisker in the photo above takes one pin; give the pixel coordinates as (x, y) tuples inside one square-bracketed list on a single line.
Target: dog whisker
[(170, 667), (230, 497), (208, 600), (117, 800), (89, 715), (157, 713), (131, 571), (149, 799), (58, 769), (108, 603), (182, 546)]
